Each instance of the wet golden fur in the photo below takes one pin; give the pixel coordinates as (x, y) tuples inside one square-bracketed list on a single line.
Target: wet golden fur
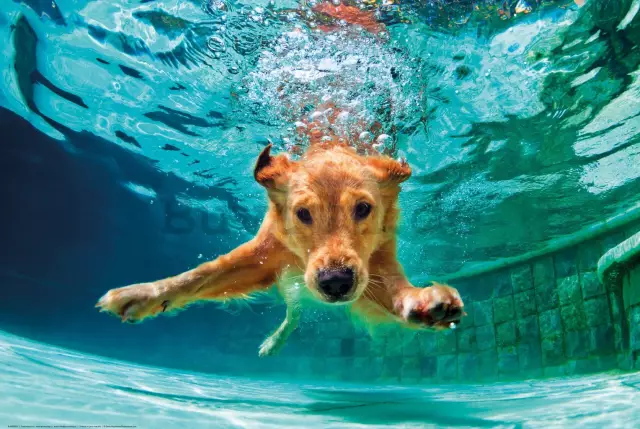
[(328, 181)]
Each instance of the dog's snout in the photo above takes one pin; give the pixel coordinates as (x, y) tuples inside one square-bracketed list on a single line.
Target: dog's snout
[(336, 283)]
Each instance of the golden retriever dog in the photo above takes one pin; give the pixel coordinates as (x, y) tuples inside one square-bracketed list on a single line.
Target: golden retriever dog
[(331, 225), (329, 231)]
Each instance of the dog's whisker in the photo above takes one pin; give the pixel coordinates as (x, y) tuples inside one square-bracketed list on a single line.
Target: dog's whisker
[(373, 298), (375, 282), (381, 278), (375, 287)]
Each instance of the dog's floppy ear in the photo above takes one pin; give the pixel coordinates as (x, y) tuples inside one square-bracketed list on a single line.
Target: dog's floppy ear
[(389, 171), (272, 172)]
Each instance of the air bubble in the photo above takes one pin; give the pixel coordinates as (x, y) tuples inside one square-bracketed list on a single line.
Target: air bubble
[(305, 62), (315, 115), (336, 2), (383, 140), (216, 44), (365, 137), (343, 117), (318, 117)]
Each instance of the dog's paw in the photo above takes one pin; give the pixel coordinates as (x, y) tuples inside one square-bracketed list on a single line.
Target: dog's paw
[(134, 303), (271, 346), (435, 306)]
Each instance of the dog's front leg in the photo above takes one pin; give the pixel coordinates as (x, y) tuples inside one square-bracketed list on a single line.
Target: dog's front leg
[(435, 306), (289, 288), (252, 266), (276, 341)]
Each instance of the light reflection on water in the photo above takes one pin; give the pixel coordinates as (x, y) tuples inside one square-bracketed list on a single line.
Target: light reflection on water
[(513, 122), (44, 385)]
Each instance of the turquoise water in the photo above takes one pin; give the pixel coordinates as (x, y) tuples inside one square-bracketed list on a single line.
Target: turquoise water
[(129, 132), (512, 126), (49, 386)]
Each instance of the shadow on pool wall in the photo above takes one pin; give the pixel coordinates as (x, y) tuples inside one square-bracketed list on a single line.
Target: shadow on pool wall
[(71, 230)]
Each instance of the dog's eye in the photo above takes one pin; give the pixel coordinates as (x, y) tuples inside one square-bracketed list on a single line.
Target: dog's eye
[(305, 216), (361, 211)]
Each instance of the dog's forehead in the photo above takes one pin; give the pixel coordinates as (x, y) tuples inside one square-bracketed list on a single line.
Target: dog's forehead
[(330, 181), (331, 175)]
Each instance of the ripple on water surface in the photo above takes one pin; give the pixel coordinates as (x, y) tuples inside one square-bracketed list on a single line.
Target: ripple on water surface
[(45, 385)]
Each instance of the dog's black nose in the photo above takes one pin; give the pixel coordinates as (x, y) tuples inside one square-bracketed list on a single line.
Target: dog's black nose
[(336, 283)]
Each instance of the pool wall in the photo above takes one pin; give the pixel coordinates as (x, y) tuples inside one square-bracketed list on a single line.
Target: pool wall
[(549, 316), (619, 269), (545, 317), (631, 289)]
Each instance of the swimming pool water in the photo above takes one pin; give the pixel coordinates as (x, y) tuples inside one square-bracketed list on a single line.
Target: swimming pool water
[(47, 386), (129, 132), (512, 126)]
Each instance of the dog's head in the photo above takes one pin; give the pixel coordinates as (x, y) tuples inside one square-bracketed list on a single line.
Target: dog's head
[(333, 209)]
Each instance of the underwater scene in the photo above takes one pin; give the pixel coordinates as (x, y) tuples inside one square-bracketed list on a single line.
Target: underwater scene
[(320, 213)]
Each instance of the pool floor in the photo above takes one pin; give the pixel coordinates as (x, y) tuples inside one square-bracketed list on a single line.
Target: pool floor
[(46, 386)]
